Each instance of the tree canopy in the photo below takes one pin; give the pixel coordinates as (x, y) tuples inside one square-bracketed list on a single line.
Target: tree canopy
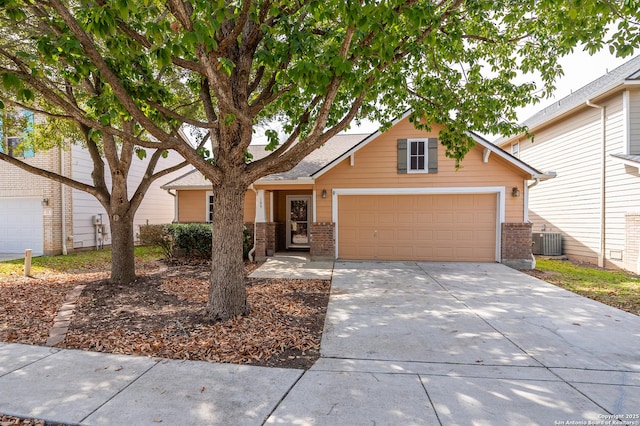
[(314, 65)]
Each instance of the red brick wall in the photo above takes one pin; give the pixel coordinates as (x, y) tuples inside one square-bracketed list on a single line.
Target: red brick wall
[(265, 240), (322, 240), (516, 242)]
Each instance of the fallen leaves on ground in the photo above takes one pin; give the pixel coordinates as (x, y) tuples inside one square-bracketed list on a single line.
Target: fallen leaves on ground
[(29, 305), (162, 314)]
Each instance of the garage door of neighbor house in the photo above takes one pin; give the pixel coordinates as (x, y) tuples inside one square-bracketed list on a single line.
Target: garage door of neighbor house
[(451, 227), (21, 225)]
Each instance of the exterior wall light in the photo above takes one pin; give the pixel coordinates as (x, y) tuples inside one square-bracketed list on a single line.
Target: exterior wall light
[(515, 192), (324, 193)]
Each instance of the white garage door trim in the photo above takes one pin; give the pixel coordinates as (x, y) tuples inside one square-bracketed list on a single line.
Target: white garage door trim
[(500, 191)]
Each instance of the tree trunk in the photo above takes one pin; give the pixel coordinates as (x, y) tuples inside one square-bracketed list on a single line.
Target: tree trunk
[(227, 294), (123, 266)]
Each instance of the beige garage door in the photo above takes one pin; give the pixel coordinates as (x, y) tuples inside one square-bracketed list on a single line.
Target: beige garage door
[(459, 227)]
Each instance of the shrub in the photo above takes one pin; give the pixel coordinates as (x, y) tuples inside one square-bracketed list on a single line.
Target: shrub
[(193, 238), (247, 242), (157, 235)]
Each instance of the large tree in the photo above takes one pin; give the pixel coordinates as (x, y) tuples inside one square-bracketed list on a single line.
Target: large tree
[(314, 65), (104, 150)]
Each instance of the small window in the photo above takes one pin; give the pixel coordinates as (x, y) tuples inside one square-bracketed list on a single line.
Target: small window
[(417, 156), (16, 146), (515, 150), (209, 207)]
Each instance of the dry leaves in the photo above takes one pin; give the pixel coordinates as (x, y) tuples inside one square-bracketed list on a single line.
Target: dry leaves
[(281, 320), (162, 315), (29, 305)]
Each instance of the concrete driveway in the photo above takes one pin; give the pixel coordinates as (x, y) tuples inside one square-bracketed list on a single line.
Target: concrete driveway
[(460, 343)]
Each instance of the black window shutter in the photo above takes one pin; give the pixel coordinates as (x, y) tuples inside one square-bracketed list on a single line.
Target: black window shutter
[(433, 155), (402, 156)]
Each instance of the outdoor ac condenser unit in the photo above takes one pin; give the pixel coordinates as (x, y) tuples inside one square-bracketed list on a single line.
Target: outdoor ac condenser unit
[(547, 243)]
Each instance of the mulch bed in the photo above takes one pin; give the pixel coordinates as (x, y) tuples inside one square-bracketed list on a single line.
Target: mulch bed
[(162, 314)]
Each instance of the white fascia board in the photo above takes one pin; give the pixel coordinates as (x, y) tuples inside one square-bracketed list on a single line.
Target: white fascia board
[(358, 146), (627, 162), (511, 159), (298, 181)]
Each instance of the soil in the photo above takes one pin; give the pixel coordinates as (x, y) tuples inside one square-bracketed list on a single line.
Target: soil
[(162, 314)]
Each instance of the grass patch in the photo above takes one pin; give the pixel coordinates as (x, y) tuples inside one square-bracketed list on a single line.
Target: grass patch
[(614, 288), (79, 262)]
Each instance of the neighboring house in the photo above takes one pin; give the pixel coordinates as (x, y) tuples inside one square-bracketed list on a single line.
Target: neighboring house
[(49, 218), (386, 196), (591, 138)]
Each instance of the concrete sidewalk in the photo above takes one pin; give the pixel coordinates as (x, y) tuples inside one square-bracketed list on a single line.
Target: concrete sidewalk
[(294, 265), (76, 387), (404, 343)]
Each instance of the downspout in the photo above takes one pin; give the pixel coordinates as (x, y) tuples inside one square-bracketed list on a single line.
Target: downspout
[(175, 206), (603, 134), (253, 249), (63, 205)]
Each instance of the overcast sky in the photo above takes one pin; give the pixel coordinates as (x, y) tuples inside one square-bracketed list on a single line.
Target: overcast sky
[(579, 70)]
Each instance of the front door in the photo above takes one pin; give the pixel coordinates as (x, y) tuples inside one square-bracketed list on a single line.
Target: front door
[(298, 211)]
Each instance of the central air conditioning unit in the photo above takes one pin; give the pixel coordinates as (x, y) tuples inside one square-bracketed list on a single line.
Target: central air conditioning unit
[(547, 243)]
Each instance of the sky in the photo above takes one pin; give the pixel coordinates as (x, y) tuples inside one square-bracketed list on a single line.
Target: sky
[(579, 70)]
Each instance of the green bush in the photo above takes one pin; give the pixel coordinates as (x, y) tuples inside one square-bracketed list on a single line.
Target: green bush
[(193, 238), (157, 235)]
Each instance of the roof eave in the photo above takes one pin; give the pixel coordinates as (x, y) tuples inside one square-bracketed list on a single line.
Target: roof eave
[(552, 118)]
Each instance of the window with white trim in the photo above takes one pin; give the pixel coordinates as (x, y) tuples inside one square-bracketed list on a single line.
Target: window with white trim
[(515, 149), (209, 201), (417, 156)]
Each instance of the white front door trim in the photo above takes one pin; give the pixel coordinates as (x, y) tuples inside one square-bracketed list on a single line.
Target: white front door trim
[(500, 191), (290, 199)]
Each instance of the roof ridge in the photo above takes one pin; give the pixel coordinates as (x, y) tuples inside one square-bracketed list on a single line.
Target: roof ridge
[(598, 86)]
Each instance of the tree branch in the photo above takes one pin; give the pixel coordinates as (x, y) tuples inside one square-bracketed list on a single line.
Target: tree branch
[(50, 175)]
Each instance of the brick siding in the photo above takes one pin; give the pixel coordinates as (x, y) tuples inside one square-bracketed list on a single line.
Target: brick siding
[(322, 240), (19, 183), (632, 242), (516, 245), (265, 240)]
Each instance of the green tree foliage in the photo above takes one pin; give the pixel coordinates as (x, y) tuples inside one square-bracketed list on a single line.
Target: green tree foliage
[(314, 65)]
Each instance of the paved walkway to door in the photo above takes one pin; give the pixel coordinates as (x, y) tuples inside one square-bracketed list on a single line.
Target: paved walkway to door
[(463, 343)]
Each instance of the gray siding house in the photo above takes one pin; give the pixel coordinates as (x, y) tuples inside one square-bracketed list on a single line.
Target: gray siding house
[(591, 139)]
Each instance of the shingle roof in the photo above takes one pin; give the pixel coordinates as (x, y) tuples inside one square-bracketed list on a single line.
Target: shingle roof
[(313, 162), (628, 158), (630, 70), (332, 149)]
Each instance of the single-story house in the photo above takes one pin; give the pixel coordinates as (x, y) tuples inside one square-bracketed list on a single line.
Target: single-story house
[(591, 139), (391, 195)]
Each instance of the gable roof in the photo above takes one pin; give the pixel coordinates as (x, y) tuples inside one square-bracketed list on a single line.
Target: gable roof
[(333, 152), (309, 165), (627, 73), (535, 174)]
